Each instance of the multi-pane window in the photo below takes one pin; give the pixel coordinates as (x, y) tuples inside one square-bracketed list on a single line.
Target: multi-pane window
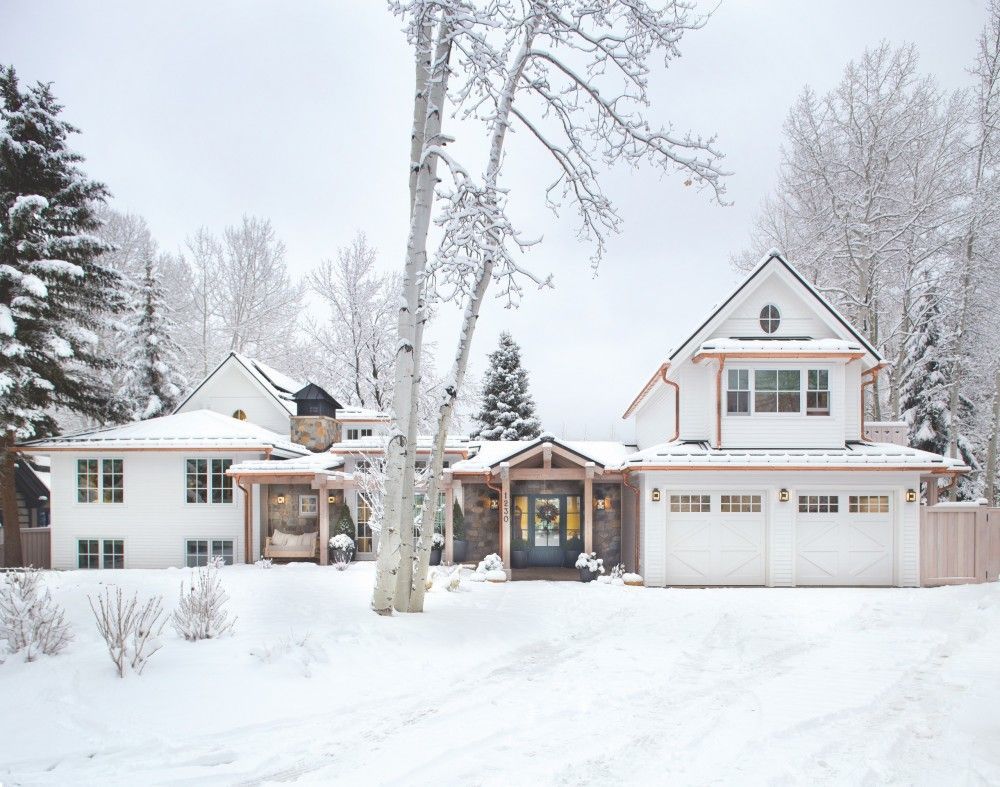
[(198, 551), (770, 318), (777, 391), (308, 505), (100, 480), (205, 481), (685, 504), (738, 392), (740, 504), (819, 504), (868, 504), (818, 392), (364, 533), (356, 433), (100, 553)]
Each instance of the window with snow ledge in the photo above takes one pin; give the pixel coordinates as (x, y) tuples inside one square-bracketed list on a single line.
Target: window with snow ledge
[(198, 551)]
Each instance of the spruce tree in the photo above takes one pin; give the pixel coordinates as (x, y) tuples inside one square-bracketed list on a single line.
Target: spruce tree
[(508, 411), (153, 384), (54, 291)]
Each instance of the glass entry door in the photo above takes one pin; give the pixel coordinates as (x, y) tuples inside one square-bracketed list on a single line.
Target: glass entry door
[(553, 528)]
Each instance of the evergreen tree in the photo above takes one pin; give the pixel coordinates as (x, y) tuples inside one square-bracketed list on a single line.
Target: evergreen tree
[(153, 384), (54, 291), (508, 411)]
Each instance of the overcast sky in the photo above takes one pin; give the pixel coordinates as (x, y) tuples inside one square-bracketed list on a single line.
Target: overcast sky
[(197, 112)]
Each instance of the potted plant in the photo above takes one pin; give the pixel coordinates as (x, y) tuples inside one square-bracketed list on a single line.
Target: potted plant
[(341, 548), (459, 546), (344, 525), (590, 565), (573, 548), (518, 553), (437, 544)]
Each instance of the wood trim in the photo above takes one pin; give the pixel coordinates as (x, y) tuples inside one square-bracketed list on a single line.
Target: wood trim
[(247, 522), (677, 402), (638, 519), (771, 356), (499, 492), (718, 401), (272, 478), (872, 373), (555, 474), (505, 515), (449, 519), (645, 390), (86, 449), (588, 509)]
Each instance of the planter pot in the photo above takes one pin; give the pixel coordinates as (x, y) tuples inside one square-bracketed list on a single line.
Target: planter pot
[(519, 558), (435, 557), (340, 555), (459, 551), (586, 575)]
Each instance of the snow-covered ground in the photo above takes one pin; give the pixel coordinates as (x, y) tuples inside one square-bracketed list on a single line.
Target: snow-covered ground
[(521, 683)]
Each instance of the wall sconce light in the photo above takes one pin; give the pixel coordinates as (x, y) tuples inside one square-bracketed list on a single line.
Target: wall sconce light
[(494, 503), (280, 499), (603, 504), (783, 496), (655, 496), (331, 499), (911, 495)]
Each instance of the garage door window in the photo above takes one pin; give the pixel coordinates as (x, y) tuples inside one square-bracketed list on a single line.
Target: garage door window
[(868, 504), (741, 504), (690, 504), (819, 504)]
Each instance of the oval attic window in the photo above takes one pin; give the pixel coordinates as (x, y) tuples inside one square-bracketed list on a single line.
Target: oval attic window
[(239, 415), (770, 318)]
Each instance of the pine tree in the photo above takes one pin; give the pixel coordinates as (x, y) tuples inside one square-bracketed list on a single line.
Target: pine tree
[(54, 292), (153, 383), (508, 411)]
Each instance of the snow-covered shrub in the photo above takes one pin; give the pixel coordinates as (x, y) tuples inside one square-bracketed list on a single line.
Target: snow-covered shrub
[(429, 580), (264, 562), (454, 582), (437, 541), (617, 573), (496, 575), (130, 630), (30, 621), (216, 561), (201, 613), (591, 562), (299, 650), (491, 562), (342, 541)]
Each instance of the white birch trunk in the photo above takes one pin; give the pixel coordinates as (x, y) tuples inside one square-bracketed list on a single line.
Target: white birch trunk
[(991, 454)]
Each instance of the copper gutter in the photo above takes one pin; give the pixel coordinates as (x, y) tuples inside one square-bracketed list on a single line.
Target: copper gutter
[(638, 510), (934, 471), (677, 403), (718, 401), (871, 372)]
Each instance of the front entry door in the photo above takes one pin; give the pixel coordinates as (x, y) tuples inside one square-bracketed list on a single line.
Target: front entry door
[(553, 523)]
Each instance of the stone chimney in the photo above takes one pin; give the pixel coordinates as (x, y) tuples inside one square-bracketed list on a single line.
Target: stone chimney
[(315, 432)]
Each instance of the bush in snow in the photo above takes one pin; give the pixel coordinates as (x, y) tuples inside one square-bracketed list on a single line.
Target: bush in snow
[(30, 621), (591, 562), (217, 561), (264, 562), (130, 630), (342, 541), (202, 614), (490, 563), (437, 541)]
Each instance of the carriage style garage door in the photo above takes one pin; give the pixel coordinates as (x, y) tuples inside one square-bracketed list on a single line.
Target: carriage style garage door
[(715, 539), (843, 539)]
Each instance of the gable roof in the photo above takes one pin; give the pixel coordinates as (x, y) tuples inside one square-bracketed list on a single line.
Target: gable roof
[(196, 429), (604, 454), (771, 259), (278, 385), (313, 392)]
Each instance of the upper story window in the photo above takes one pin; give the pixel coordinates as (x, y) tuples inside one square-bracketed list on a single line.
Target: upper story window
[(100, 481), (738, 392), (770, 318), (818, 392), (205, 480), (777, 391), (356, 433)]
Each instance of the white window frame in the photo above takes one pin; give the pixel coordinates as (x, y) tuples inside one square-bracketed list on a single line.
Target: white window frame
[(210, 487), (315, 501), (210, 547), (816, 412), (748, 391), (100, 489), (358, 432), (102, 555)]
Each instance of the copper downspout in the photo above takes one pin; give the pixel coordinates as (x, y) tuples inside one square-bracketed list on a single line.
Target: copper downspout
[(718, 401), (871, 372), (677, 403), (247, 527), (638, 513), (499, 513)]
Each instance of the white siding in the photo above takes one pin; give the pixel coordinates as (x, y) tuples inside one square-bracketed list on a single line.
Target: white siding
[(154, 521), (231, 389), (697, 402), (852, 401), (798, 313), (653, 547), (654, 423)]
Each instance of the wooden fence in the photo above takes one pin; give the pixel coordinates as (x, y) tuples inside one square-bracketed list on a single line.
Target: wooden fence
[(35, 546), (959, 544)]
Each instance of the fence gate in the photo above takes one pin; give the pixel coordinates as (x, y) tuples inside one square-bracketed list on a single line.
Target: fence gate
[(35, 546), (959, 544)]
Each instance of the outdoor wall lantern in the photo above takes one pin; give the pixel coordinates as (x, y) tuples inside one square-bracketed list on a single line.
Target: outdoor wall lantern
[(655, 497), (494, 503), (603, 504), (783, 496), (331, 499), (280, 500), (911, 495)]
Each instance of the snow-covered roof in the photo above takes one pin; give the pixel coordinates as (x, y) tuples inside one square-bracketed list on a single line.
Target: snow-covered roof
[(606, 453), (376, 443), (682, 455), (193, 429), (360, 414), (313, 463), (278, 384), (777, 347)]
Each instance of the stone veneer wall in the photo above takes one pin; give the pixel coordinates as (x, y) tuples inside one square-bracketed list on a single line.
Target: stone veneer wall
[(315, 432), (285, 516), (482, 524), (608, 525)]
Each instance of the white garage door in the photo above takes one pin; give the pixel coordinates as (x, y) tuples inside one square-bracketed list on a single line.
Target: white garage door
[(843, 539), (715, 539)]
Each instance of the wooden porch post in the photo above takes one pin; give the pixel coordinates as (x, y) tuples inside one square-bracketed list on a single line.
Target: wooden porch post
[(588, 509), (449, 523), (324, 524), (505, 515), (932, 490)]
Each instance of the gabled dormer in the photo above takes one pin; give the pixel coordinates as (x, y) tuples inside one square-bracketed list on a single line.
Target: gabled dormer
[(774, 366)]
